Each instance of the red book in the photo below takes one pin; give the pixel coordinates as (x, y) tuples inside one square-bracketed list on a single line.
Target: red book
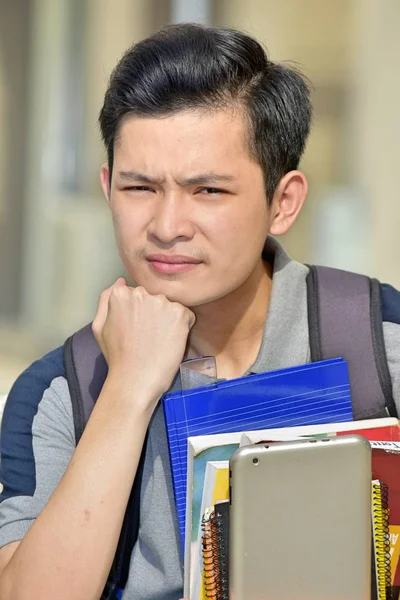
[(385, 430), (385, 433)]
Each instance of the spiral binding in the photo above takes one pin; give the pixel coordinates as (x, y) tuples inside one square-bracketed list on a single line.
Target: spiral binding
[(210, 566), (380, 513), (214, 556)]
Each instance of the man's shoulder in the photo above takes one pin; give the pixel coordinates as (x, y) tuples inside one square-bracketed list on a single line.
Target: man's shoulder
[(42, 371), (391, 326), (390, 304), (37, 421), (29, 388), (391, 330)]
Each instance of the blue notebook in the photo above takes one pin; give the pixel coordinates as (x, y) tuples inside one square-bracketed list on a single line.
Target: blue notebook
[(315, 393)]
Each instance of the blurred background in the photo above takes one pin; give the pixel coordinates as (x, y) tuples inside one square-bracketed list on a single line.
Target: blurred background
[(56, 242)]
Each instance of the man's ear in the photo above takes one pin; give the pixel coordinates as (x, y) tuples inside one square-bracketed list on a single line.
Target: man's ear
[(287, 202), (105, 181)]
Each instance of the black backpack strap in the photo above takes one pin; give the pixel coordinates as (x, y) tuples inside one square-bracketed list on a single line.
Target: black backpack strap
[(86, 371), (345, 319)]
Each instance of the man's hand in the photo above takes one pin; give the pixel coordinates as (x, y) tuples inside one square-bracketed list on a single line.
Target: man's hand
[(142, 337)]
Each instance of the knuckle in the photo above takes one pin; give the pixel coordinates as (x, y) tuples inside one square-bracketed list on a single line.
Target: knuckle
[(178, 309), (161, 298), (139, 291), (118, 291), (104, 294)]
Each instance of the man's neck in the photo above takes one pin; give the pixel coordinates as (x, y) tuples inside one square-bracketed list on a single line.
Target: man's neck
[(231, 328)]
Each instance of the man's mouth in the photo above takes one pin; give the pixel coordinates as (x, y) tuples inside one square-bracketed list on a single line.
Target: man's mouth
[(172, 263)]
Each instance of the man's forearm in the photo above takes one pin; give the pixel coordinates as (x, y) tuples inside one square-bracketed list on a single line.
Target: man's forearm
[(68, 552)]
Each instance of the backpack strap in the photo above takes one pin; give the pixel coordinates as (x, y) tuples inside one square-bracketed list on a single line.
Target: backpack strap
[(345, 319), (86, 370)]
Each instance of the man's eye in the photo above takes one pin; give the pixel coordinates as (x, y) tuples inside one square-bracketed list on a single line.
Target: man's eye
[(138, 188), (212, 190)]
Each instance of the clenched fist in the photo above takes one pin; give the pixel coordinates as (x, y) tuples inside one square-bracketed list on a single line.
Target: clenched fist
[(142, 337)]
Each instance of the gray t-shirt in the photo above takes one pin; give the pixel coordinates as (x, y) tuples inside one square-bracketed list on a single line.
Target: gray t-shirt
[(38, 438)]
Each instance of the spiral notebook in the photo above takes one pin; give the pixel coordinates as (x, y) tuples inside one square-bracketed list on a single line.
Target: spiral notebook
[(381, 542), (315, 393), (215, 551), (386, 467)]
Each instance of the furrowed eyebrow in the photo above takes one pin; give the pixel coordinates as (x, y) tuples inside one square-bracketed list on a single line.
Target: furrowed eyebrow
[(207, 179), (201, 179), (136, 177)]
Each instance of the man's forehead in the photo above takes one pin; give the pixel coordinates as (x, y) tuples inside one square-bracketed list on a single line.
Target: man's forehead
[(186, 145), (193, 123)]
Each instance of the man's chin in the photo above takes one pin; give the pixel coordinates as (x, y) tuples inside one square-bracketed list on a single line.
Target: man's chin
[(192, 300), (170, 290), (188, 299)]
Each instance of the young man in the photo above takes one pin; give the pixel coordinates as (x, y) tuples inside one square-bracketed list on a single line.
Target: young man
[(204, 136)]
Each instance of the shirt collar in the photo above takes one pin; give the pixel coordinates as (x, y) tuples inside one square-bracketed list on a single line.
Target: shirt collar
[(285, 340)]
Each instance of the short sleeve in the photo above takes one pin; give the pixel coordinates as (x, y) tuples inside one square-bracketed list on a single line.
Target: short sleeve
[(36, 445), (392, 343)]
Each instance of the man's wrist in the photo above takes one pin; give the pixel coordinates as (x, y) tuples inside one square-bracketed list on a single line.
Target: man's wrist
[(128, 388)]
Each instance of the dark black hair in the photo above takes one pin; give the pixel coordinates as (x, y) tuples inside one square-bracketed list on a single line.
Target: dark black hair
[(191, 66)]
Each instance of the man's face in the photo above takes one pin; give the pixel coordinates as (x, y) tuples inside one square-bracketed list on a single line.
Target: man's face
[(188, 204)]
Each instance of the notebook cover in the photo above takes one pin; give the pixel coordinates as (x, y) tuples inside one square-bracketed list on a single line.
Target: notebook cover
[(308, 394)]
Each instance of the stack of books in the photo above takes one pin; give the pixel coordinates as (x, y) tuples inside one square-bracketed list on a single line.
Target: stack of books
[(206, 425)]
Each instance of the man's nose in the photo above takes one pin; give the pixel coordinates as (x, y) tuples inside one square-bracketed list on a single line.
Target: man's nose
[(171, 220)]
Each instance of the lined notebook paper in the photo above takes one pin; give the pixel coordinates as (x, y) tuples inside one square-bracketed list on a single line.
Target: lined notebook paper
[(308, 394)]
